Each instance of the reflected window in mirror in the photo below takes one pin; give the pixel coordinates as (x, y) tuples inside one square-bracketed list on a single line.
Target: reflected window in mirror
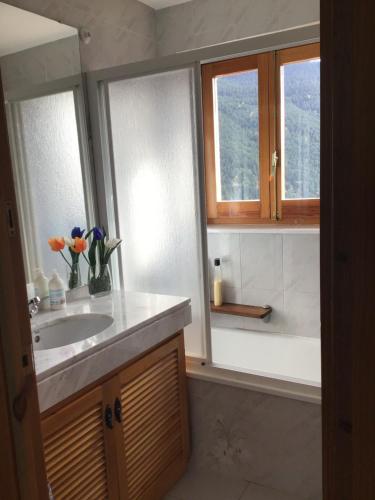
[(48, 171)]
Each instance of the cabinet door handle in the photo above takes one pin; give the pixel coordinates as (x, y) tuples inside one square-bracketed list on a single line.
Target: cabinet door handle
[(118, 410), (108, 417)]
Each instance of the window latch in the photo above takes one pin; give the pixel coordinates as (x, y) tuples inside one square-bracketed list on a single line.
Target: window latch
[(275, 159)]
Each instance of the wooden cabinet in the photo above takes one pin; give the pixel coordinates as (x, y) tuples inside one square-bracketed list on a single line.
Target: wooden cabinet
[(77, 449), (126, 438), (154, 421)]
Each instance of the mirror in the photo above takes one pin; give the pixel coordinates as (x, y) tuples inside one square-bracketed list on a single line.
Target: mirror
[(42, 84)]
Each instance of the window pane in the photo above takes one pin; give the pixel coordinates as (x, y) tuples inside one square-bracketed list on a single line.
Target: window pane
[(301, 101), (155, 168), (237, 137)]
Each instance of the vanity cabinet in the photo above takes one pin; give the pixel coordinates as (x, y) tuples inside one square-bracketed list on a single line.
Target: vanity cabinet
[(127, 437)]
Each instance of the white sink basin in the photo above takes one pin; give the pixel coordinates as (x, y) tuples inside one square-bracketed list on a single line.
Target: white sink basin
[(69, 330)]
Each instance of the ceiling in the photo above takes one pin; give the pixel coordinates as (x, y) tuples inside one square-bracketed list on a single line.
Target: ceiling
[(160, 4), (20, 30)]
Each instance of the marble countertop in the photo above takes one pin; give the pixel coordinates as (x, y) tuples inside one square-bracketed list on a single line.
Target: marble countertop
[(141, 320)]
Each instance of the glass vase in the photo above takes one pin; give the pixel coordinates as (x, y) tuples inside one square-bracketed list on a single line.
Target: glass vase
[(74, 280), (99, 281)]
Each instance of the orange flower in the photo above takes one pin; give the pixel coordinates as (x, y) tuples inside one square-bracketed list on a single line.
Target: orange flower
[(56, 243), (79, 246)]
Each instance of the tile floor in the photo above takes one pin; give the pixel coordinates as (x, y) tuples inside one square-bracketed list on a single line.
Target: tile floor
[(203, 485)]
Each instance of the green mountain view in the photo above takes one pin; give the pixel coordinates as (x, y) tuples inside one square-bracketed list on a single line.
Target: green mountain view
[(239, 133)]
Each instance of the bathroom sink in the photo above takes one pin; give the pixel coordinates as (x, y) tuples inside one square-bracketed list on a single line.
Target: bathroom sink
[(64, 331)]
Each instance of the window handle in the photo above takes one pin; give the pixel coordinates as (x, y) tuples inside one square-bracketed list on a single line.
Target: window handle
[(275, 159)]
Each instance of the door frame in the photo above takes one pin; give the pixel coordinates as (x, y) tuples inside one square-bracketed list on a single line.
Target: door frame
[(347, 249), (22, 460)]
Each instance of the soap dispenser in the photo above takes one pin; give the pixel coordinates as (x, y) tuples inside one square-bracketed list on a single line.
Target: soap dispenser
[(57, 292), (41, 289)]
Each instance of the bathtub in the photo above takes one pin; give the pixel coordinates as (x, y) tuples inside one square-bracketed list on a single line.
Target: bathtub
[(273, 355)]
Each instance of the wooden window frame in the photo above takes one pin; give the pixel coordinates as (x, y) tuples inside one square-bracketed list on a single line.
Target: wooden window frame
[(270, 208), (295, 211), (222, 212)]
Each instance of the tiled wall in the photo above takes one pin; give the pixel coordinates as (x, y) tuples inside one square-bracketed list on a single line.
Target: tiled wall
[(201, 23), (123, 31), (279, 269), (41, 64), (269, 440)]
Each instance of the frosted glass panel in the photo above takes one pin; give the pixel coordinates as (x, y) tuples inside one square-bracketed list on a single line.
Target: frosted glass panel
[(154, 154), (52, 167)]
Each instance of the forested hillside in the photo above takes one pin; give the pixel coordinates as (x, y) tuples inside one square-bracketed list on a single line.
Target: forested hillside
[(238, 131)]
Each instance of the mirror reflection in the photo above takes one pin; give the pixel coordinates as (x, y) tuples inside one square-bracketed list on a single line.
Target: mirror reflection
[(42, 84)]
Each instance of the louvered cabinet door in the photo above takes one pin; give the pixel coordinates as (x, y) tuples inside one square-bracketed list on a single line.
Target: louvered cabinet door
[(155, 421), (79, 455)]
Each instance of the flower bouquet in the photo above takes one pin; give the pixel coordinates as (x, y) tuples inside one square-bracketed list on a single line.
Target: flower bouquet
[(76, 245), (100, 251)]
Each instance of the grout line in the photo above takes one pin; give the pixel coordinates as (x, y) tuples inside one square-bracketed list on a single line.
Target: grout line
[(283, 274), (240, 255), (244, 490)]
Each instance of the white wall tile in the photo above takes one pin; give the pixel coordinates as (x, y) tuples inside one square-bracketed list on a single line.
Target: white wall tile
[(301, 264), (123, 31), (279, 270), (274, 298), (261, 261), (201, 23), (302, 313), (227, 248)]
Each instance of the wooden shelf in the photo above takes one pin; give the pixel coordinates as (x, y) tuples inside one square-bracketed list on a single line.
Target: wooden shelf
[(259, 312)]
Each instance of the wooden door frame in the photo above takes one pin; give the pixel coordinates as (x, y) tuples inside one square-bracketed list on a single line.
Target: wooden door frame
[(348, 249), (347, 279), (22, 464)]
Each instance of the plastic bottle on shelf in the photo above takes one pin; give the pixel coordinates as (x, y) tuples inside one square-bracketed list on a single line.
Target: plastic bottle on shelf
[(218, 284)]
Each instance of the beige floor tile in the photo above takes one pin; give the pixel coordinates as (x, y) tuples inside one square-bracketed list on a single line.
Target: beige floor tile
[(202, 485), (255, 492)]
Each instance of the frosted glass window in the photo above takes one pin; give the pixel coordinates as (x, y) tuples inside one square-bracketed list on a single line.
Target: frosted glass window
[(152, 121), (52, 169)]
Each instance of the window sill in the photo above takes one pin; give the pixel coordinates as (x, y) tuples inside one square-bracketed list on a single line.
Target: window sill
[(256, 229)]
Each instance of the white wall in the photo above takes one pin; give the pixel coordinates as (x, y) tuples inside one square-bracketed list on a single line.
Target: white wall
[(41, 64), (281, 270), (123, 31), (201, 23)]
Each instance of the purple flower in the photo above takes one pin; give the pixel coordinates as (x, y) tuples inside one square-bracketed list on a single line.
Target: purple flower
[(77, 232), (98, 233)]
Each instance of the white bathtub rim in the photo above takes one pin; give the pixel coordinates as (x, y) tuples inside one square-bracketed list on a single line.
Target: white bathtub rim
[(232, 360), (199, 369), (268, 375)]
